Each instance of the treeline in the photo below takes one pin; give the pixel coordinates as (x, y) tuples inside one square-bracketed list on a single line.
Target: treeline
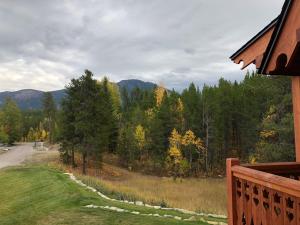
[(28, 125), (189, 133), (162, 131), (10, 122), (251, 120)]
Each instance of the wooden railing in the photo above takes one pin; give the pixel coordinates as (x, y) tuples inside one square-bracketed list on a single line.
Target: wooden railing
[(263, 194)]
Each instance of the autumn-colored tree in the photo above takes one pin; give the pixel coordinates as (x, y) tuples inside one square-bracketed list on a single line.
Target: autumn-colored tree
[(159, 94), (188, 141), (37, 134), (193, 145), (175, 139), (140, 139), (11, 121), (175, 162)]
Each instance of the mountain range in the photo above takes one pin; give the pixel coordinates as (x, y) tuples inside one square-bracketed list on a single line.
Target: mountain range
[(29, 99)]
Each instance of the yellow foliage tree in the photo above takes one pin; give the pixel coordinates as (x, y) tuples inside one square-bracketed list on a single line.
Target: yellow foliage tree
[(159, 94), (266, 134), (43, 135), (188, 138), (199, 144), (175, 154), (180, 106), (175, 162), (175, 139), (193, 144), (140, 138)]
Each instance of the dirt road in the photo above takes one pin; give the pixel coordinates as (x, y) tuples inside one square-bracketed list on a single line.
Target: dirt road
[(16, 155)]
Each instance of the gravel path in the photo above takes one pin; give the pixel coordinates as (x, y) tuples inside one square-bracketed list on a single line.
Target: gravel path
[(16, 155)]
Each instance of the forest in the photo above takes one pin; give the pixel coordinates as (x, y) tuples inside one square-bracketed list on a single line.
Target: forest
[(161, 131)]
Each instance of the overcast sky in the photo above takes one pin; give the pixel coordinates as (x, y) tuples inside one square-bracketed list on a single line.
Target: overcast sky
[(45, 43)]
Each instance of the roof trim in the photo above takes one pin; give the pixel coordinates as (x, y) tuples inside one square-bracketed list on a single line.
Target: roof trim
[(255, 38), (281, 21)]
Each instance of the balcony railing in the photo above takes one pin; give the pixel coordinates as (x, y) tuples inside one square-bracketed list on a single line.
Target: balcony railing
[(263, 194)]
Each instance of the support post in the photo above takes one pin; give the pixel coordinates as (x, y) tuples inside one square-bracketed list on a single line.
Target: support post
[(296, 110), (231, 201)]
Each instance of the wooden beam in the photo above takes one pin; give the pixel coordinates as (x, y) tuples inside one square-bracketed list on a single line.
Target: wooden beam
[(231, 202), (296, 110)]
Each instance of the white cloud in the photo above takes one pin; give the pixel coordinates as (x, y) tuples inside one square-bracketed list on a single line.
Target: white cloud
[(45, 43)]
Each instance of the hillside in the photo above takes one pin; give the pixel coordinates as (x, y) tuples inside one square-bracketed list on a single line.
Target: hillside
[(25, 198), (133, 83), (32, 99)]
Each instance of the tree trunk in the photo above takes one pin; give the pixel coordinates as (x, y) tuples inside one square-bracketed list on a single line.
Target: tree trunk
[(207, 143), (84, 163), (191, 159), (73, 157), (50, 130)]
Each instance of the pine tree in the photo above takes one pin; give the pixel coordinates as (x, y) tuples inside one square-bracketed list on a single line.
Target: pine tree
[(10, 122), (85, 97), (49, 109), (160, 129)]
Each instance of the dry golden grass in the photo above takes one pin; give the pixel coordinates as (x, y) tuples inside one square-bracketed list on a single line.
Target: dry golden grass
[(197, 194), (202, 195)]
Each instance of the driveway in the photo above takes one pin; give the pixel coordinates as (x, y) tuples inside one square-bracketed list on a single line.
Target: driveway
[(16, 155)]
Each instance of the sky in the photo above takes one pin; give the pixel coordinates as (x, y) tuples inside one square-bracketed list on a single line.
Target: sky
[(43, 44)]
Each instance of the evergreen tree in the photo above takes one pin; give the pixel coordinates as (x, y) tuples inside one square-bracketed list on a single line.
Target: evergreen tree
[(49, 109), (161, 128), (10, 122), (110, 112)]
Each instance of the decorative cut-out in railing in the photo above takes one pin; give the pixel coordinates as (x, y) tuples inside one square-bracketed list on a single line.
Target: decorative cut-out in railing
[(267, 206)]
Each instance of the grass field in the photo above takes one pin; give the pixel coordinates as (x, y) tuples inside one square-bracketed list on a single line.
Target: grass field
[(41, 195), (197, 194), (206, 195)]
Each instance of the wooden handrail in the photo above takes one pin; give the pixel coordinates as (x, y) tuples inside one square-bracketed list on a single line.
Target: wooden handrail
[(276, 168), (267, 194), (275, 182)]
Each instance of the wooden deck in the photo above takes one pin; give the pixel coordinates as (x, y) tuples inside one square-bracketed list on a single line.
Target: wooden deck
[(263, 194)]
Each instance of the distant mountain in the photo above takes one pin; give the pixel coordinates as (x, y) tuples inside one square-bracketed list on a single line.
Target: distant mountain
[(32, 99), (133, 83)]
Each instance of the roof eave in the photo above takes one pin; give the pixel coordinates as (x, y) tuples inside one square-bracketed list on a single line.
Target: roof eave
[(254, 39), (279, 25)]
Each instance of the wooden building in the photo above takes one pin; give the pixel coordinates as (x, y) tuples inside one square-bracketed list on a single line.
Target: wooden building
[(269, 194)]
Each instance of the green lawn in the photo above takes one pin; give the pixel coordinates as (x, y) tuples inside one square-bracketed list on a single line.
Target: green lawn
[(40, 195)]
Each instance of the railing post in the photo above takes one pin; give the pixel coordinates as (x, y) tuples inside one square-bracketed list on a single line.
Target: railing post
[(231, 201), (296, 110)]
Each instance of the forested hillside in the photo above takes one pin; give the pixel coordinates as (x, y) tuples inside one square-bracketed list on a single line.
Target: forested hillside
[(164, 132), (188, 133), (29, 99)]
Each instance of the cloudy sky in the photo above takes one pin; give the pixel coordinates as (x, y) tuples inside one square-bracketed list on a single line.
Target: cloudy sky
[(44, 43)]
